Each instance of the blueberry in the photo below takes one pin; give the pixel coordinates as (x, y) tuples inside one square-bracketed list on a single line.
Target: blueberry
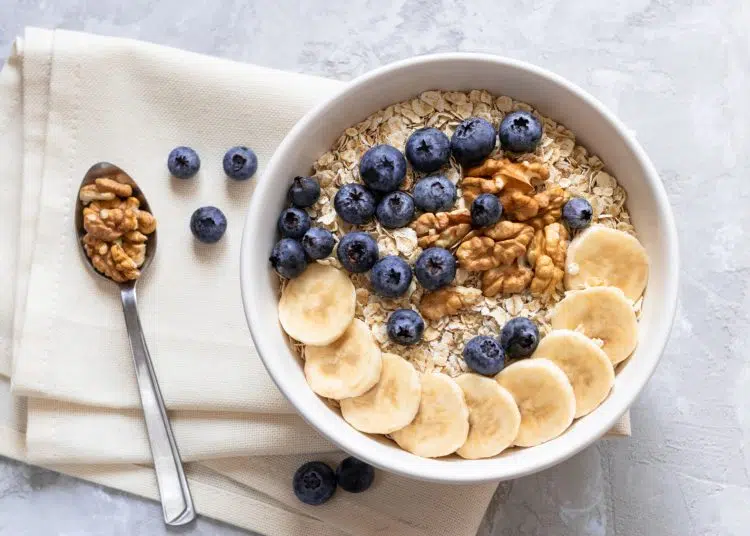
[(519, 337), (520, 132), (318, 243), (314, 483), (434, 194), (288, 258), (357, 252), (208, 224), (473, 141), (304, 191), (354, 204), (577, 213), (405, 326), (183, 162), (395, 210), (240, 163), (435, 268), (428, 149), (390, 277), (484, 355), (485, 210), (383, 168), (293, 223), (354, 476)]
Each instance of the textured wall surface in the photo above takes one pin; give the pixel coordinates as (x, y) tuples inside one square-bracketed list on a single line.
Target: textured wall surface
[(675, 71)]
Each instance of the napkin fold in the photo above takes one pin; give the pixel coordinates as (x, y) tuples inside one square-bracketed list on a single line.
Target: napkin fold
[(68, 100)]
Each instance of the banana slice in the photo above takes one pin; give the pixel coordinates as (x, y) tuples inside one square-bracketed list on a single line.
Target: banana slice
[(493, 417), (543, 395), (600, 313), (349, 366), (587, 367), (601, 256), (391, 404), (318, 306), (442, 422)]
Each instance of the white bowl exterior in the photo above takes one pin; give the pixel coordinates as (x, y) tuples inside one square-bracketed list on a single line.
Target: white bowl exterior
[(554, 97)]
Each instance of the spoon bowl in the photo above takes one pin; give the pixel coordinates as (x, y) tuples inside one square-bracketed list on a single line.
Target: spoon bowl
[(111, 171), (176, 501)]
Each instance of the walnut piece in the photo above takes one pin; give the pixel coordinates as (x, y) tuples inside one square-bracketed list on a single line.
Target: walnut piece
[(501, 244), (444, 229), (448, 301), (512, 236), (510, 279), (547, 255), (116, 229), (550, 204), (537, 210), (492, 176)]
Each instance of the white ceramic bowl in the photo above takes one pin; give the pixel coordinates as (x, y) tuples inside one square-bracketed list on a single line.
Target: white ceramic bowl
[(594, 126)]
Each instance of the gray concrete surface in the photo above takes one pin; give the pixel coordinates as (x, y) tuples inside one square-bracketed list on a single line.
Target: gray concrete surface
[(677, 72)]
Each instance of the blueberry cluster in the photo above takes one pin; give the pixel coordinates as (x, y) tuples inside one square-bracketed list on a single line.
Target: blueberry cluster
[(382, 170), (315, 482), (300, 242), (208, 224), (486, 355)]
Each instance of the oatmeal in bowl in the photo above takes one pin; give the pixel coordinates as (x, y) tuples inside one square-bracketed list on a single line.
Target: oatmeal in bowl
[(454, 214), (459, 278)]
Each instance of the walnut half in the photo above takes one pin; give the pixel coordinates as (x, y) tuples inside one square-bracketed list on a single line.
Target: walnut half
[(501, 244), (448, 301), (444, 229), (510, 279), (547, 255)]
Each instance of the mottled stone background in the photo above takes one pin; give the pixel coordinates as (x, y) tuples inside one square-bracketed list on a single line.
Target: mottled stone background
[(675, 71)]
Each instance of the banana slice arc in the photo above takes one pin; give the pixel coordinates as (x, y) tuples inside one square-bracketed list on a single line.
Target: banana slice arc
[(349, 366), (494, 418), (544, 397), (587, 367), (442, 422), (391, 404), (601, 256), (317, 307), (600, 313)]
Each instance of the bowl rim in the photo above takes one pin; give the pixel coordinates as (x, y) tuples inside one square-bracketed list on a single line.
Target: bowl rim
[(452, 474)]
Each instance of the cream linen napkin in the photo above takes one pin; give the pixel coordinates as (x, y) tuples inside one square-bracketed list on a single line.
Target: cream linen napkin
[(57, 102)]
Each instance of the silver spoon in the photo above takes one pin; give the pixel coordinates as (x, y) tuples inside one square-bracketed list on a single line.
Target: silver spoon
[(176, 501)]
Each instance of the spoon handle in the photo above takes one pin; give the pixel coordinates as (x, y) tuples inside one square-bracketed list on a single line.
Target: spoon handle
[(170, 476)]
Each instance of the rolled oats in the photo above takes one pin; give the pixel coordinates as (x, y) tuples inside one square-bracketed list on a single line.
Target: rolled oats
[(533, 187)]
